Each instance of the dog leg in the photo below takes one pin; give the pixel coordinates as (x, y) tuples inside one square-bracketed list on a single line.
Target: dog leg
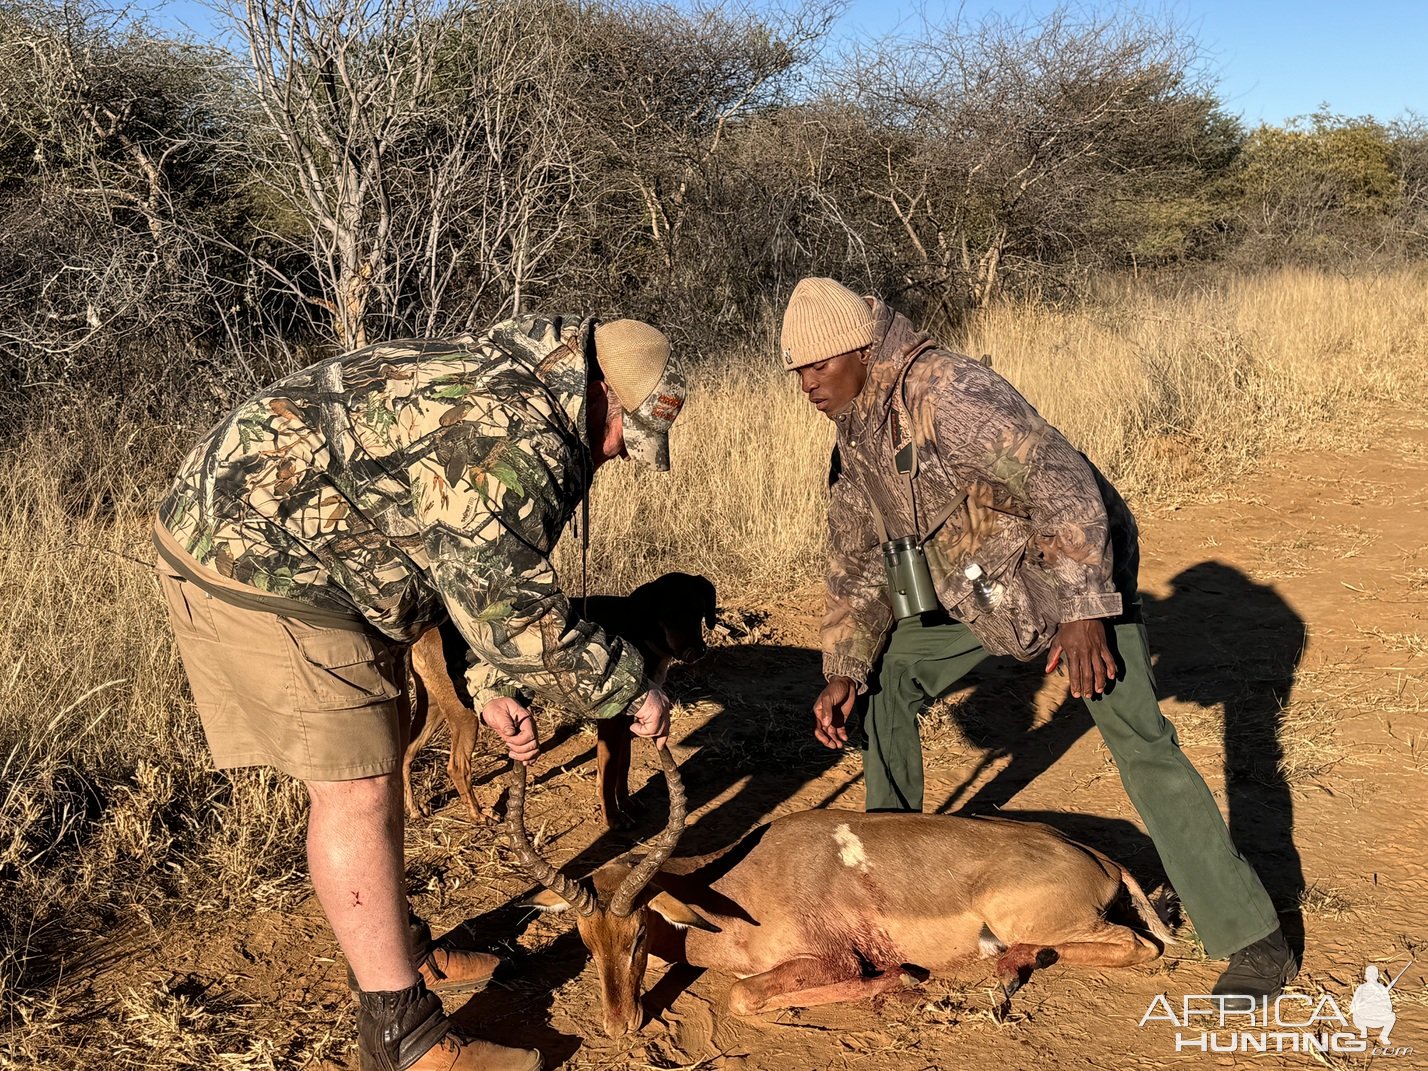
[(463, 743), (443, 704), (418, 733), (612, 771), (618, 773)]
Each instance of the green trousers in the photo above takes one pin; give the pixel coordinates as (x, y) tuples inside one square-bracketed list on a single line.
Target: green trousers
[(1216, 884)]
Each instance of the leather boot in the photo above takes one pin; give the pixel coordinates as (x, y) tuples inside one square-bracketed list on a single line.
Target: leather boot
[(1262, 969), (406, 1030), (448, 972)]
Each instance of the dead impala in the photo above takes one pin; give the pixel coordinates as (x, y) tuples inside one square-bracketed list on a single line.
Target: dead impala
[(826, 905)]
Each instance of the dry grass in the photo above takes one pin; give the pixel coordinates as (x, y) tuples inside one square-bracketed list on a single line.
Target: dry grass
[(108, 813), (1162, 392), (1323, 901), (1413, 644)]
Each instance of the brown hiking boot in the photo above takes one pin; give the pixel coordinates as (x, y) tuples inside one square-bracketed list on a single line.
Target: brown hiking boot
[(448, 972), (406, 1030), (456, 1052)]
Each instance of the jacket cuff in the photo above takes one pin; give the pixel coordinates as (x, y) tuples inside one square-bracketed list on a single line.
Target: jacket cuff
[(506, 690), (635, 704), (1085, 607), (836, 665)]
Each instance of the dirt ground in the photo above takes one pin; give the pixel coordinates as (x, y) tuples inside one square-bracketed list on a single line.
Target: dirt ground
[(1288, 617)]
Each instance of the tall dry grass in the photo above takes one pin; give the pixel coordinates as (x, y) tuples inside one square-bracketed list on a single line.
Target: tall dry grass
[(107, 809), (1169, 393)]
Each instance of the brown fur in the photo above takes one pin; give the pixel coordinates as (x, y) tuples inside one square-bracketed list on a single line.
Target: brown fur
[(826, 905), (664, 619)]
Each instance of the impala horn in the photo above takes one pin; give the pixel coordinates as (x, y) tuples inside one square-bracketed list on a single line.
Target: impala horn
[(622, 903), (537, 868)]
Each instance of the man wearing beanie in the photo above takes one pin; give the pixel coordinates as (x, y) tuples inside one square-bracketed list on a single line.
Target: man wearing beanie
[(329, 522), (1026, 550)]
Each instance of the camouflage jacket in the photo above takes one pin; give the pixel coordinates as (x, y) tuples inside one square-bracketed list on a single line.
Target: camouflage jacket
[(415, 480), (1033, 501)]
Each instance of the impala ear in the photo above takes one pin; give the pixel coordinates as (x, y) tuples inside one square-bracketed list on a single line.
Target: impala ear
[(680, 915), (547, 901)]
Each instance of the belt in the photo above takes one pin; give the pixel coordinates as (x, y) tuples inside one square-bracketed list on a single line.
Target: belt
[(236, 593)]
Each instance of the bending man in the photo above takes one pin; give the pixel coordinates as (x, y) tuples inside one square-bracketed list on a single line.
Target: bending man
[(332, 519), (1029, 551)]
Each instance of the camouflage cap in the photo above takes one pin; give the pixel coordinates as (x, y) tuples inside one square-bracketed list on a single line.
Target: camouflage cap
[(636, 360)]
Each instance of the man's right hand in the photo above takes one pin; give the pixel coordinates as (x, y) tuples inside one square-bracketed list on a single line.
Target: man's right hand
[(515, 725), (652, 719), (832, 711)]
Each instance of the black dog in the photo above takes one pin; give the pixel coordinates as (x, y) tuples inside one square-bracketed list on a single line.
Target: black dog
[(664, 619)]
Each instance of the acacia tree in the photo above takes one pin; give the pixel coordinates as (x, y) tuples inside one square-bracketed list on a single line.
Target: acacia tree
[(107, 184), (664, 96), (1410, 164), (414, 152), (1321, 186), (948, 157)]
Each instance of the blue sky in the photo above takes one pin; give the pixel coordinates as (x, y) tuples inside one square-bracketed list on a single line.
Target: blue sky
[(1272, 59)]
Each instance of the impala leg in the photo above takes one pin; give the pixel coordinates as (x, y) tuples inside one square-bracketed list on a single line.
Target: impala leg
[(1014, 967), (1108, 945), (807, 981)]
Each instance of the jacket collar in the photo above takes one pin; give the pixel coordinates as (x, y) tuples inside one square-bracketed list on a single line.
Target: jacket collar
[(897, 344), (557, 350)]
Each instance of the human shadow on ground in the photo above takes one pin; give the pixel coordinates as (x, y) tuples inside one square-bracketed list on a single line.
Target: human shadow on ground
[(1225, 639)]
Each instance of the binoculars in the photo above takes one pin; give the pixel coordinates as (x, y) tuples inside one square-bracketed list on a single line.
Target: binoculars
[(910, 585)]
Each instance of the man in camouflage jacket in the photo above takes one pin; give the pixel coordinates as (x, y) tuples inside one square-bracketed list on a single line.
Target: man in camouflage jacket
[(934, 445), (341, 513)]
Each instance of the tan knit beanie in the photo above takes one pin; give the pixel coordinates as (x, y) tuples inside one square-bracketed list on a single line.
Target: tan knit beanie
[(635, 358), (823, 319)]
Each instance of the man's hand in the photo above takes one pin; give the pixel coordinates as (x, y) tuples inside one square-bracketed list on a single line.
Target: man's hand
[(652, 719), (832, 710), (1089, 662), (515, 725)]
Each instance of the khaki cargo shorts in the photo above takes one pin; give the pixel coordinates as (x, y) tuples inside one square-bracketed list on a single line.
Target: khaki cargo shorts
[(319, 704)]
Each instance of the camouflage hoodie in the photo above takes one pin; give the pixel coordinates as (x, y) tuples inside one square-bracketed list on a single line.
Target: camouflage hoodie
[(1033, 501), (413, 480)]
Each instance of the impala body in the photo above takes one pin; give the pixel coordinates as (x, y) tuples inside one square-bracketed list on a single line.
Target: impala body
[(825, 905)]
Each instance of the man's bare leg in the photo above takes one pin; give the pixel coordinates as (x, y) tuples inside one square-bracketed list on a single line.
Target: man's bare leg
[(354, 854)]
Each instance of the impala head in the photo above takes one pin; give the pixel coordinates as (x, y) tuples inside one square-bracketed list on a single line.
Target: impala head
[(615, 909)]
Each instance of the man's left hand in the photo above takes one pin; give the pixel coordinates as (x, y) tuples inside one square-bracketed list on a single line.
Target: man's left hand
[(1089, 662), (652, 719)]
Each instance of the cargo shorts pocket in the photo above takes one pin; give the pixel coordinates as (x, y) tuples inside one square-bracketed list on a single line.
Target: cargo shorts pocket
[(337, 669), (190, 610)]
